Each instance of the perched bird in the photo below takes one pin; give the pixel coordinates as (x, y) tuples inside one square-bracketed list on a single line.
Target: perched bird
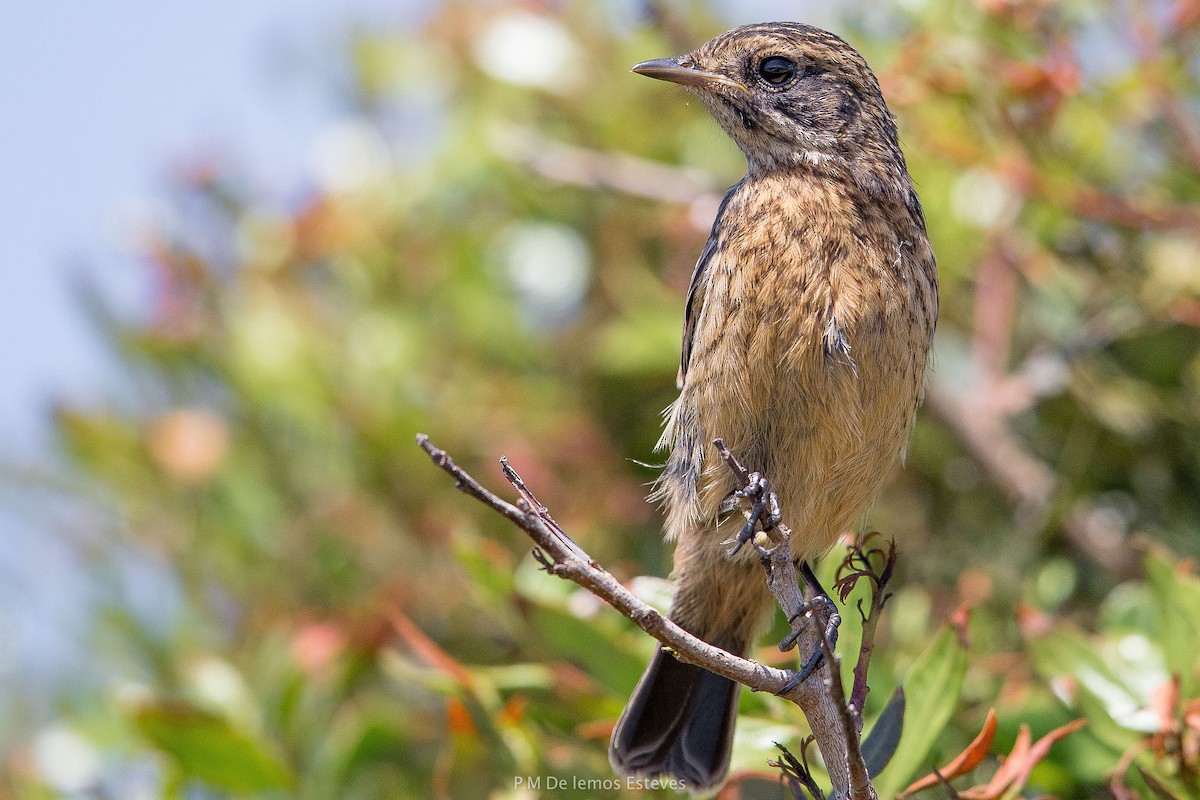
[(807, 330)]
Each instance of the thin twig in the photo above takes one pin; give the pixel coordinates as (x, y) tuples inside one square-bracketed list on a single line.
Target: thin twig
[(777, 561), (465, 483), (567, 560), (796, 773), (860, 565), (740, 473), (860, 779), (536, 507)]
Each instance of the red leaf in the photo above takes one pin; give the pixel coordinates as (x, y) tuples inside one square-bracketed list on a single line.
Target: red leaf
[(964, 762), (428, 649), (1015, 770), (1007, 772)]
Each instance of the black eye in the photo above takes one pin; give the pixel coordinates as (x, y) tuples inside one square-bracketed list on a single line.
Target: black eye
[(777, 70)]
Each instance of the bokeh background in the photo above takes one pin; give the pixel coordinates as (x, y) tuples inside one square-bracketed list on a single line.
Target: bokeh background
[(252, 249)]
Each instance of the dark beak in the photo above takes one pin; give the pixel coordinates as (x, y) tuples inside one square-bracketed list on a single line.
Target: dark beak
[(680, 70)]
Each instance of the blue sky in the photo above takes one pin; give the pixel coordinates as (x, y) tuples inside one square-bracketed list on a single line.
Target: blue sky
[(97, 103)]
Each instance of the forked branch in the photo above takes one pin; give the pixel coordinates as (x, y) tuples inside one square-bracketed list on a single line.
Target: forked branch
[(820, 697)]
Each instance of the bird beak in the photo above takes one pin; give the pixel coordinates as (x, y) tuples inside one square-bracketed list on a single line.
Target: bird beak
[(680, 69)]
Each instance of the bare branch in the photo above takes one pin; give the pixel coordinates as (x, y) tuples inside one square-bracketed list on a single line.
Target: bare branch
[(860, 779), (796, 773), (532, 505), (567, 560), (859, 564), (594, 169), (469, 485)]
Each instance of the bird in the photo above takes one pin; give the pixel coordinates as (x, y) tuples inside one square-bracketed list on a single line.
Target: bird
[(808, 328)]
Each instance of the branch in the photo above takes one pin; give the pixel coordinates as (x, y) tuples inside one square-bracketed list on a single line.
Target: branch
[(1026, 479), (858, 565), (832, 721), (795, 772), (820, 697), (597, 169), (560, 556)]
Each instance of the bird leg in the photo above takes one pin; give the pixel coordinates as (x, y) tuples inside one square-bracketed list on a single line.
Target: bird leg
[(764, 511), (764, 514), (823, 606)]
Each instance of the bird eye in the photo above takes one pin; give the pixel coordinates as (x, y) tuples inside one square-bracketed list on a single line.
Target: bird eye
[(777, 70)]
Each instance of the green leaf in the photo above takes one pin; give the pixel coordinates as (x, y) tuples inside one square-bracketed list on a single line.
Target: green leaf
[(581, 640), (206, 747), (931, 692), (1104, 697), (1178, 596), (1159, 785)]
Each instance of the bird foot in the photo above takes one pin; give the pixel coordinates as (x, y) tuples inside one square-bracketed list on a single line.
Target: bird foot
[(823, 606), (764, 512), (826, 611)]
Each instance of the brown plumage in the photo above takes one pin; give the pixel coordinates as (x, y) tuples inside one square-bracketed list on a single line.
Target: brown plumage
[(807, 331)]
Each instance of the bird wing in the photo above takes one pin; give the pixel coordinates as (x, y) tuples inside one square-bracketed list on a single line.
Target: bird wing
[(691, 311), (695, 294)]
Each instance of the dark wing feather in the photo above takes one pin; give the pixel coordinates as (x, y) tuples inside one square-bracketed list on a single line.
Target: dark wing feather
[(691, 311)]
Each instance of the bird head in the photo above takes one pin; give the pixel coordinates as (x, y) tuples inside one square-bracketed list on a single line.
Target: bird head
[(789, 94)]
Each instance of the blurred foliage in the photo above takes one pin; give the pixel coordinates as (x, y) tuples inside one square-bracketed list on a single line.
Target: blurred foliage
[(495, 253)]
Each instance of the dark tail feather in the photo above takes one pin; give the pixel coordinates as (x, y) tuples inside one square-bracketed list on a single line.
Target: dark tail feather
[(679, 722)]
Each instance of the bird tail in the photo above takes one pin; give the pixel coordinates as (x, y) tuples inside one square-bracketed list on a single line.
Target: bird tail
[(679, 723)]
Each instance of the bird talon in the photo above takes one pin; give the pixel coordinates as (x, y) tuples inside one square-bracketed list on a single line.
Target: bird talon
[(821, 604), (789, 641), (756, 484), (764, 512), (760, 542), (755, 487), (792, 683), (743, 536), (774, 513), (810, 666)]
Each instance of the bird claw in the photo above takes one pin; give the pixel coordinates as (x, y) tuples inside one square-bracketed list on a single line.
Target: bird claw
[(797, 678), (764, 513), (824, 607), (755, 486)]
